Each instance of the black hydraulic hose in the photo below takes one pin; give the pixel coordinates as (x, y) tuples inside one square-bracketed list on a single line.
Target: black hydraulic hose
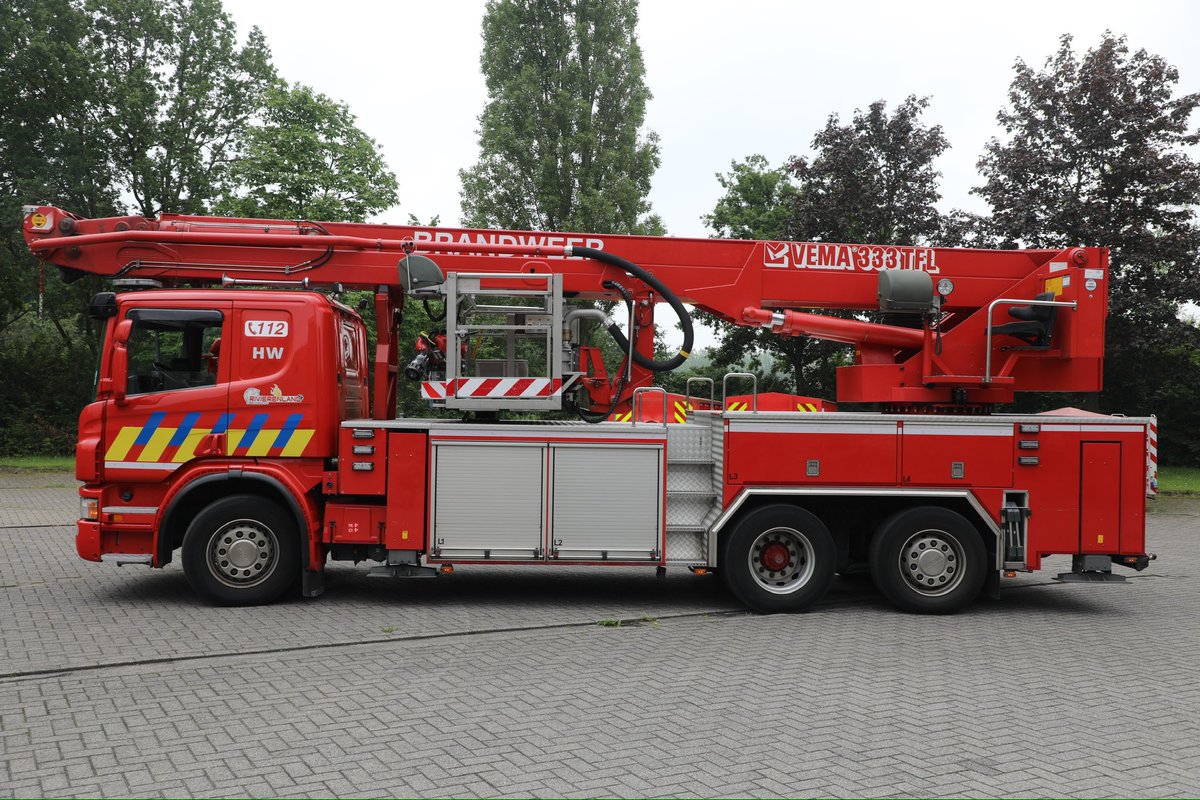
[(685, 319), (594, 417)]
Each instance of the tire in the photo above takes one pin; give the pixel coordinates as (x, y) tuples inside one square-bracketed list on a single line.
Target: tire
[(779, 558), (928, 560), (241, 551)]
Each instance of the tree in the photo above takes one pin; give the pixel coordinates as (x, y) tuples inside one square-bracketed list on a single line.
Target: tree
[(560, 143), (871, 180), (52, 148), (757, 203), (1095, 153), (308, 160), (177, 93)]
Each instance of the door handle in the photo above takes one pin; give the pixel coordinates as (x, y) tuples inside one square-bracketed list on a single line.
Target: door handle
[(211, 445)]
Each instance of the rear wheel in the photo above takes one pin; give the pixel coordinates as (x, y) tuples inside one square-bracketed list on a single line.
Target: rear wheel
[(241, 551), (779, 558), (928, 560)]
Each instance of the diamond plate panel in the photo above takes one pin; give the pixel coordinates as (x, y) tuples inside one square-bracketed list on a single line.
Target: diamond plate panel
[(689, 441), (689, 478), (689, 510), (685, 547)]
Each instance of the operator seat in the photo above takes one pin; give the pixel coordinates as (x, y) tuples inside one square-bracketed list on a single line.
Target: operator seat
[(1036, 327)]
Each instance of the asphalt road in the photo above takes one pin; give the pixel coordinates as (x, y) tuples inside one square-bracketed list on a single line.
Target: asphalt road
[(495, 682)]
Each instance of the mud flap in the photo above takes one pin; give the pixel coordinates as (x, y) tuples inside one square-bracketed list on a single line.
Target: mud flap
[(312, 583), (991, 586)]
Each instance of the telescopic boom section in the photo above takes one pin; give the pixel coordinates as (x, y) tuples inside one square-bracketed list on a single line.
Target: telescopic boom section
[(972, 342)]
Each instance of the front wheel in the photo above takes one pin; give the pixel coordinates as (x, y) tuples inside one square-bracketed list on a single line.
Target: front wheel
[(779, 558), (928, 560), (241, 551)]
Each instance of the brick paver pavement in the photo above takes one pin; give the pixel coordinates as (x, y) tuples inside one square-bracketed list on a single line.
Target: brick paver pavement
[(1053, 690)]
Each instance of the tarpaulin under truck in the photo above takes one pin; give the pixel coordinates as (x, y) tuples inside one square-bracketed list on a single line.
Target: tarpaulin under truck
[(234, 423)]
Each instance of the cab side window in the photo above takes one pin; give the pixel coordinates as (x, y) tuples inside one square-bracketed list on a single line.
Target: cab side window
[(173, 349)]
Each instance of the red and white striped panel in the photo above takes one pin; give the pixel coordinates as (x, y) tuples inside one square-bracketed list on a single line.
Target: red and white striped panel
[(492, 387), (1152, 457)]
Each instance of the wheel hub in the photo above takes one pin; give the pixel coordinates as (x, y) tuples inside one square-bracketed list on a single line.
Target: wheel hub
[(931, 562), (775, 557), (242, 553)]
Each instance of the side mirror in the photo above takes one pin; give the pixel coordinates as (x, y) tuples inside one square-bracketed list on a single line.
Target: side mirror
[(120, 360)]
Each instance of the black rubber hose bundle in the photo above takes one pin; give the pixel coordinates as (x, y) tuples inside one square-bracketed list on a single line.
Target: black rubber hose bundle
[(685, 319)]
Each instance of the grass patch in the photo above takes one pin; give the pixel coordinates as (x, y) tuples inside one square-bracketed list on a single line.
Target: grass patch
[(1179, 480), (38, 463)]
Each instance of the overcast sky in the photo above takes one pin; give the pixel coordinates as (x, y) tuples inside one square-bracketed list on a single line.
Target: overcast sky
[(729, 78)]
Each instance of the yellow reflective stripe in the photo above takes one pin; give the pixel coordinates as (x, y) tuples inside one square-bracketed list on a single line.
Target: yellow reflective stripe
[(298, 442), (158, 442), (681, 417), (188, 448), (263, 443), (120, 446), (232, 439)]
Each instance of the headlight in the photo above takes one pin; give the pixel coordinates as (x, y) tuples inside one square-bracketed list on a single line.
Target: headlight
[(89, 508)]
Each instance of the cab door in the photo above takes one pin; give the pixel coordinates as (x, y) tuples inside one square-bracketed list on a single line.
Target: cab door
[(176, 397), (276, 400)]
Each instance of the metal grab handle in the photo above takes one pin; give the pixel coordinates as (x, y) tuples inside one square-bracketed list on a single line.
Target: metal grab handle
[(643, 390), (1005, 301), (754, 390), (712, 388)]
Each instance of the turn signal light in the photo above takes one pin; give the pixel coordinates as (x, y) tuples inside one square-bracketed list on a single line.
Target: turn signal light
[(89, 508), (1010, 574), (446, 569)]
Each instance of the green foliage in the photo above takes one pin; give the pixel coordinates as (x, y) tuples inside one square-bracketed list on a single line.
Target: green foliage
[(308, 160), (175, 93), (107, 100), (1095, 153), (1179, 480), (37, 463), (48, 141), (48, 374), (872, 179), (51, 148), (757, 203), (559, 140)]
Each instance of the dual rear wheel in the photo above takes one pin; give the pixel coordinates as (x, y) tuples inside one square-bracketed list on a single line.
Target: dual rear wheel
[(782, 558)]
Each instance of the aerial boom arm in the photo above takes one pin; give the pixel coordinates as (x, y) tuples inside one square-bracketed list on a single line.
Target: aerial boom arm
[(742, 282)]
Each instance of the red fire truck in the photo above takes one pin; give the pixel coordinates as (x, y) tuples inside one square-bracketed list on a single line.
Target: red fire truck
[(234, 420)]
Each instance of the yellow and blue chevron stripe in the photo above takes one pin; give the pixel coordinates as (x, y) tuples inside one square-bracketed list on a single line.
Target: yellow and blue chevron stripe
[(156, 443)]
